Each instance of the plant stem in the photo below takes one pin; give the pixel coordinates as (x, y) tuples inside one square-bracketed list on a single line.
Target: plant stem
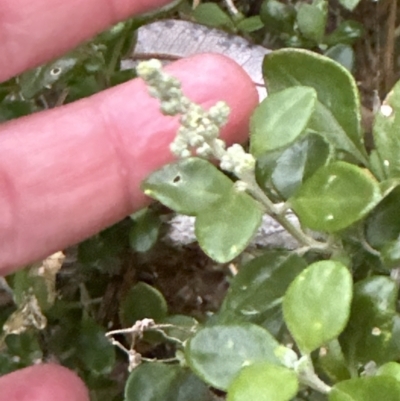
[(279, 215), (306, 374)]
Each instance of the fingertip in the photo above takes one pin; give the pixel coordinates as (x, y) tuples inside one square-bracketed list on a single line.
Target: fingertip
[(46, 382), (82, 165)]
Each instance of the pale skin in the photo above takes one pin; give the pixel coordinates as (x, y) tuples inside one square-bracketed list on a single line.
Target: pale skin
[(69, 172)]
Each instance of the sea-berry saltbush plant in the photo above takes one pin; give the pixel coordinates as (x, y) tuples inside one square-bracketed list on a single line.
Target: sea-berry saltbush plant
[(317, 322), (322, 318)]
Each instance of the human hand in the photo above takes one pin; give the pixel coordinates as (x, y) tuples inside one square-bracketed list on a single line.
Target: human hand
[(68, 172)]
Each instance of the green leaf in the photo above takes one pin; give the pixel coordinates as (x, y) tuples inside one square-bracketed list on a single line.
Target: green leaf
[(311, 21), (263, 382), (387, 135), (161, 382), (337, 114), (342, 54), (332, 361), (366, 389), (217, 354), (390, 254), (316, 306), (281, 118), (227, 226), (211, 14), (383, 224), (182, 326), (34, 81), (370, 334), (105, 246), (349, 4), (142, 301), (335, 197), (285, 170), (226, 217), (278, 16), (10, 109), (188, 185), (256, 292), (346, 33), (250, 24), (94, 349), (390, 369), (144, 233)]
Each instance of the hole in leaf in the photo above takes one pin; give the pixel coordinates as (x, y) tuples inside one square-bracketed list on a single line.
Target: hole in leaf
[(177, 179), (56, 71)]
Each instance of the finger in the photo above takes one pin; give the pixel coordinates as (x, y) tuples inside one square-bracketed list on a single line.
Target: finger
[(45, 382), (32, 32), (68, 172)]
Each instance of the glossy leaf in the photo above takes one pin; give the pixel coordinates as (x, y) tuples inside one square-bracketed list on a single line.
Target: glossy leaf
[(142, 301), (311, 21), (316, 306), (387, 135), (10, 109), (287, 169), (390, 369), (281, 118), (337, 114), (257, 291), (366, 389), (93, 348), (161, 382), (383, 224), (227, 226), (263, 382), (250, 24), (217, 353), (333, 363), (346, 33), (390, 254), (145, 230), (342, 54), (188, 185), (278, 16), (335, 197), (212, 15), (370, 334), (182, 326), (36, 80), (349, 4)]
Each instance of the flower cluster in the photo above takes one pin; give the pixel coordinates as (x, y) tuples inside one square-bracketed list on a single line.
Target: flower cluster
[(237, 161), (199, 129)]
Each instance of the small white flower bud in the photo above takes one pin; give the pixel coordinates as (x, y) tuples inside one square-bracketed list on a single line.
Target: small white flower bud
[(204, 151)]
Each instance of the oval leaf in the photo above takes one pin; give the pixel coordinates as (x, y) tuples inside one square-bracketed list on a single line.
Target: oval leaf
[(142, 301), (257, 291), (390, 369), (337, 113), (335, 197), (159, 382), (212, 15), (287, 169), (226, 228), (188, 185), (372, 333), (383, 225), (263, 382), (93, 348), (281, 118), (366, 389), (387, 134), (218, 353), (311, 21), (316, 306)]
